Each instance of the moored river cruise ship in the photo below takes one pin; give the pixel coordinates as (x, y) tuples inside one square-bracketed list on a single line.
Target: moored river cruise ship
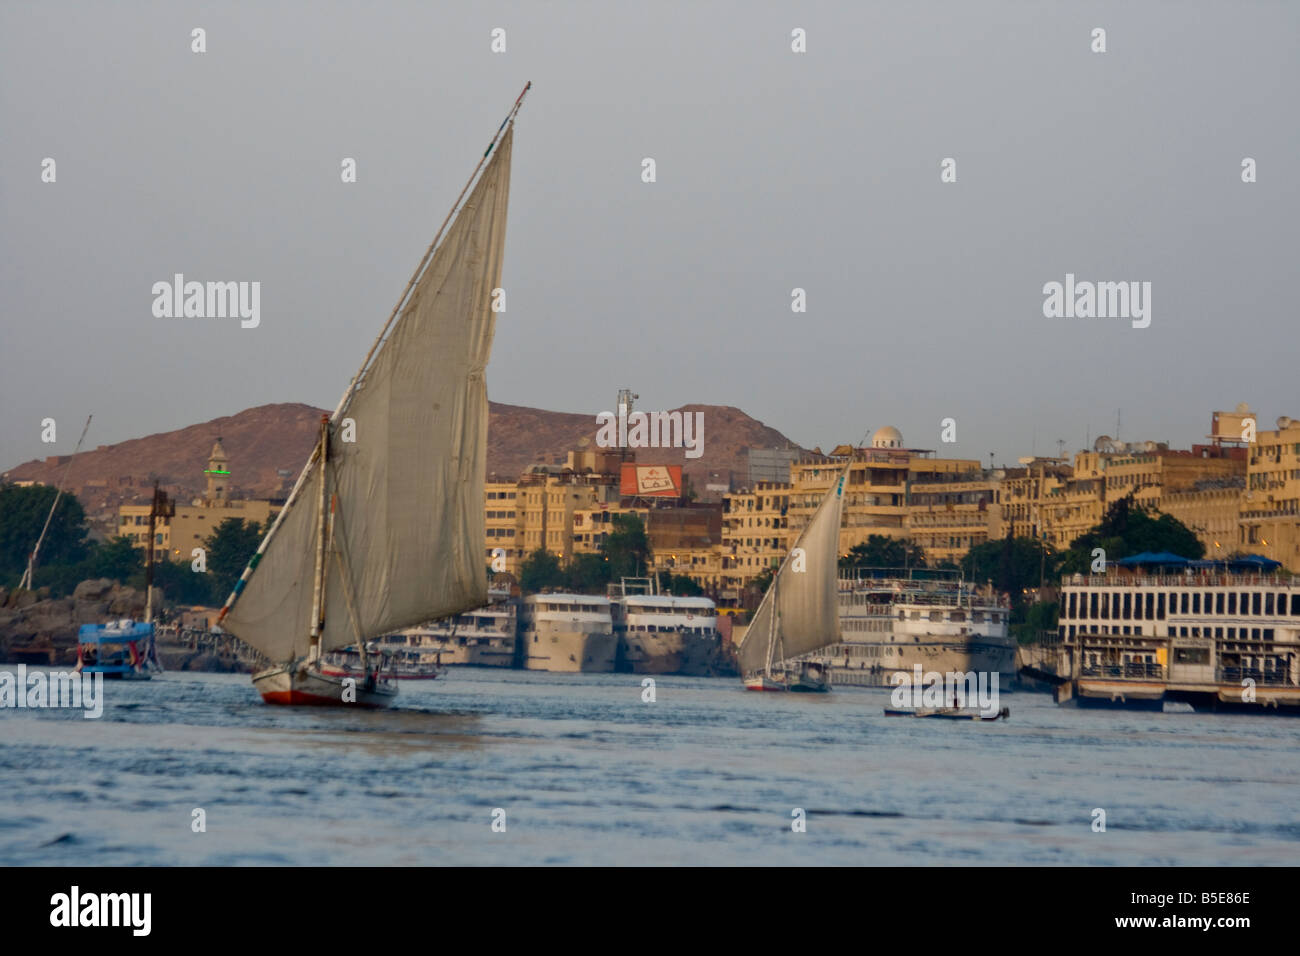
[(1211, 637), (567, 632), (663, 633), (483, 637), (893, 619)]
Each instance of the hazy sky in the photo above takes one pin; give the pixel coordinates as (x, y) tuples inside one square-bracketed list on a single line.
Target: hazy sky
[(775, 170)]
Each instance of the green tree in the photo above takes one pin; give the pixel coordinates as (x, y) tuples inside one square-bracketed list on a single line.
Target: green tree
[(1126, 529), (540, 570), (22, 515), (882, 551), (757, 587), (229, 548), (1012, 564), (587, 573), (181, 584), (679, 584), (1038, 617), (627, 547), (119, 560)]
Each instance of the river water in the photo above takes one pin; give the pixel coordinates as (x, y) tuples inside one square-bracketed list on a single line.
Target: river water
[(587, 772)]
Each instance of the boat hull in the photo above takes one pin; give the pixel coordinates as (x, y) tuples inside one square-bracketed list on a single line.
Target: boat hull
[(117, 673), (874, 664), (288, 685), (949, 714), (571, 652), (804, 685), (499, 654), (667, 652), (1121, 695), (795, 678), (413, 673), (807, 677)]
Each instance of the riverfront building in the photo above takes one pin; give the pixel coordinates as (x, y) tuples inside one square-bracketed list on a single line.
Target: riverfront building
[(1240, 492), (177, 535)]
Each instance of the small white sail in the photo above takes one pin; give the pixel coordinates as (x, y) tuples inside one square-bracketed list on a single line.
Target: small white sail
[(804, 596), (406, 496)]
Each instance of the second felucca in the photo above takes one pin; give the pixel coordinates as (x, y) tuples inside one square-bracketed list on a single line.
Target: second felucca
[(799, 613)]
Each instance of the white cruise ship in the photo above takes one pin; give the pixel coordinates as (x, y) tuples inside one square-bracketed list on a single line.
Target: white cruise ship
[(484, 637), (1215, 635), (892, 620), (663, 633), (567, 632)]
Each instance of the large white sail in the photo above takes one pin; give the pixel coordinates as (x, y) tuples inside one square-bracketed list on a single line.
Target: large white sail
[(406, 495), (804, 593)]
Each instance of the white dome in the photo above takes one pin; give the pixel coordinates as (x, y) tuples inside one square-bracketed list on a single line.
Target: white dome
[(887, 437)]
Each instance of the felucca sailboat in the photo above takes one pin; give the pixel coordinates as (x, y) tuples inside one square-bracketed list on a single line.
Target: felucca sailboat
[(800, 611), (385, 527)]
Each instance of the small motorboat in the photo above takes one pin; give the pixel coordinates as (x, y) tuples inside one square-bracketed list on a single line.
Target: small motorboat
[(950, 713)]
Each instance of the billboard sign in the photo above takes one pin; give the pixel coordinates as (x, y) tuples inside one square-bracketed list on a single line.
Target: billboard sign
[(663, 481)]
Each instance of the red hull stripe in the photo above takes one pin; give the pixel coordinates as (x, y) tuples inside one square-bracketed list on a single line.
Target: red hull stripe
[(301, 698)]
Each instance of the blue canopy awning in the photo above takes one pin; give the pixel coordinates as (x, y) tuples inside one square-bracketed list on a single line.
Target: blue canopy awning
[(1246, 562), (1161, 558), (1254, 562), (113, 633)]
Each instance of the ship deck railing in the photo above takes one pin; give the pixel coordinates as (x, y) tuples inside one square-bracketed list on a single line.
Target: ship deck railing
[(1216, 579), (1156, 672), (929, 599), (1235, 675), (1130, 671)]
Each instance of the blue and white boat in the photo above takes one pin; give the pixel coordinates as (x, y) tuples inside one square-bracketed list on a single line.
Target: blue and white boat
[(122, 649)]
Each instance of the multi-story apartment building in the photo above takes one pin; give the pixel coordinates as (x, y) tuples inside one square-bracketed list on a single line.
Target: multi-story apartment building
[(548, 501), (1031, 498), (948, 514), (504, 525), (1269, 519), (687, 540), (875, 493), (591, 526), (898, 492), (1212, 512), (133, 523), (755, 526)]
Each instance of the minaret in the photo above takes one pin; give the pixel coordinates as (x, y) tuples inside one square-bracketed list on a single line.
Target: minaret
[(218, 476)]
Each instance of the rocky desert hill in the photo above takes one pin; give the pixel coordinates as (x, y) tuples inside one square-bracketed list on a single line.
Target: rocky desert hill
[(267, 446)]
